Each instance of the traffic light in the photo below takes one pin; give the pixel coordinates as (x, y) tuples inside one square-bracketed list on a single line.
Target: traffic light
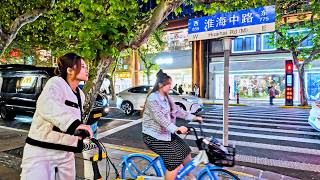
[(289, 67), (289, 83)]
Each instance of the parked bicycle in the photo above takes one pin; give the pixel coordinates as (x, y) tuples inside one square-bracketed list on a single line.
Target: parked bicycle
[(210, 152)]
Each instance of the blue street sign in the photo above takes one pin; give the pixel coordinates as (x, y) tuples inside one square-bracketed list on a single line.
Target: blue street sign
[(242, 22)]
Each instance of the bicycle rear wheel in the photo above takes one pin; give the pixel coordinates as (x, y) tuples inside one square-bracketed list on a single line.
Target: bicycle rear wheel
[(136, 166), (219, 174)]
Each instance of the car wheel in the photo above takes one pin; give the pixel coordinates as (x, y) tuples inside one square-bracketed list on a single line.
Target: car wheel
[(6, 115), (181, 106), (127, 107)]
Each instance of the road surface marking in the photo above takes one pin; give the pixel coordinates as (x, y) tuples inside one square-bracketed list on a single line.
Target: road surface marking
[(268, 146), (255, 118), (14, 129), (119, 128), (257, 123), (278, 163), (118, 119), (262, 129)]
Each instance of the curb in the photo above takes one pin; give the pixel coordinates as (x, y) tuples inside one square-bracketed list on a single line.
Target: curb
[(297, 107)]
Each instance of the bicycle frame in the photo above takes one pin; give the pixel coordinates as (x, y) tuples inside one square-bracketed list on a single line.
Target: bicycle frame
[(201, 158), (153, 162)]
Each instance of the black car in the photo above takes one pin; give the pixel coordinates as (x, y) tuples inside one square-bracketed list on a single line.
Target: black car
[(21, 86)]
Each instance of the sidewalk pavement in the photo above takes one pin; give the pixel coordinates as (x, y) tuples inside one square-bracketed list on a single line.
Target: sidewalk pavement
[(12, 142)]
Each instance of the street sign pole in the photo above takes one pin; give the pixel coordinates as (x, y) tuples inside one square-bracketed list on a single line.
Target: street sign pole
[(226, 49), (228, 25)]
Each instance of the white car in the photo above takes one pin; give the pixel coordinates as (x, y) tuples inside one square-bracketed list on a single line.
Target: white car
[(314, 117), (134, 98)]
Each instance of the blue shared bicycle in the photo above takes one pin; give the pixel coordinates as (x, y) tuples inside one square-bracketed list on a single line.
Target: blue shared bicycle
[(210, 152)]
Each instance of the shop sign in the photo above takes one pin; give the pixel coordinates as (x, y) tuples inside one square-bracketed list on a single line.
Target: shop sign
[(244, 22)]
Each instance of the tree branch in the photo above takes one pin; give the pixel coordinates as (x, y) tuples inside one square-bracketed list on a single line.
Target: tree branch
[(164, 8), (312, 55), (19, 22), (311, 31)]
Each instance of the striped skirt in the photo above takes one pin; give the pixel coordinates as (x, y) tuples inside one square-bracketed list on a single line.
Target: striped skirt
[(172, 152)]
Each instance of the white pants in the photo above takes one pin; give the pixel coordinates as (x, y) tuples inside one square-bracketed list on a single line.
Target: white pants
[(46, 170)]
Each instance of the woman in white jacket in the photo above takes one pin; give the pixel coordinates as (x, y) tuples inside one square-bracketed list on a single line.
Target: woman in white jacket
[(51, 144)]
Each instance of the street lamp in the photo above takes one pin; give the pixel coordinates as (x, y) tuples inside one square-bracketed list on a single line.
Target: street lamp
[(226, 48)]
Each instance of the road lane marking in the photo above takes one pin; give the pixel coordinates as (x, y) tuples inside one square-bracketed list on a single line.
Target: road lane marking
[(14, 129), (257, 123), (119, 128), (267, 146), (118, 119), (266, 136), (305, 122), (262, 129), (259, 116), (278, 163)]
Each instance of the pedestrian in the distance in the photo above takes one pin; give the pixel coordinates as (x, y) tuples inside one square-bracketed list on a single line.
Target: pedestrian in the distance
[(271, 94), (159, 127), (51, 144), (180, 89), (196, 90), (175, 87)]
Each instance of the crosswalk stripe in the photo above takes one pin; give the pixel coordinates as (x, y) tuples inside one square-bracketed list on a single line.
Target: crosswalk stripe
[(261, 120), (262, 129), (266, 146), (258, 116), (266, 136), (274, 162), (257, 123), (279, 163), (272, 112)]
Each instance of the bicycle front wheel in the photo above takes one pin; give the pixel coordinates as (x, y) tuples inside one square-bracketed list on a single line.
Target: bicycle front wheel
[(217, 174), (136, 165)]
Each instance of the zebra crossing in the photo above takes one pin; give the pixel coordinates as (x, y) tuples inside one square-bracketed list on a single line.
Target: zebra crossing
[(266, 136)]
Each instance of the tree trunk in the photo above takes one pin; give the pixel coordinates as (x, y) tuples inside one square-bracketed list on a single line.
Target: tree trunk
[(113, 92), (303, 95), (93, 85), (148, 76)]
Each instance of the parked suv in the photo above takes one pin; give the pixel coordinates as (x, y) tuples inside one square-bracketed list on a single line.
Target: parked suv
[(21, 86)]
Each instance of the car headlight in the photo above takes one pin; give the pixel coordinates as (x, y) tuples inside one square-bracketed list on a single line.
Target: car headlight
[(106, 110)]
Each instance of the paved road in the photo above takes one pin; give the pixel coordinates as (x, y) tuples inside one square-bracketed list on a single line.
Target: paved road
[(268, 138)]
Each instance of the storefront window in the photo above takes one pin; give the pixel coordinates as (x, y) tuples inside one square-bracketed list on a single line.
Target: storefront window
[(313, 86), (177, 40), (256, 86), (265, 42), (244, 44)]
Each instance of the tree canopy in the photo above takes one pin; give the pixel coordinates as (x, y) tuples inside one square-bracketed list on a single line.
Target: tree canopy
[(300, 37), (96, 29)]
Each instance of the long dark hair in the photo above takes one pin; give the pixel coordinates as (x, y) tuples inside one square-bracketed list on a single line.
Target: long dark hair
[(69, 60), (162, 80)]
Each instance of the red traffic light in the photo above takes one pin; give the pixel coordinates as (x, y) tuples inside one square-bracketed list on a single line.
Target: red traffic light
[(289, 67)]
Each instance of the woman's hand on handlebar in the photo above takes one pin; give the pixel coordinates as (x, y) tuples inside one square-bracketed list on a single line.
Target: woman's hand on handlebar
[(83, 127), (197, 119), (182, 130)]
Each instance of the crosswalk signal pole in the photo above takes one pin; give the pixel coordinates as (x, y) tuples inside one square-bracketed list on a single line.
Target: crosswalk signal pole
[(226, 49)]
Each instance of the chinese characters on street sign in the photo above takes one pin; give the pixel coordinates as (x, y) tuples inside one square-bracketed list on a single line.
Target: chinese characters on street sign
[(250, 21)]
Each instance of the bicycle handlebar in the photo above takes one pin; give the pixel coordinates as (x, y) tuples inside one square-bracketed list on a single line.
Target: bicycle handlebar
[(82, 133)]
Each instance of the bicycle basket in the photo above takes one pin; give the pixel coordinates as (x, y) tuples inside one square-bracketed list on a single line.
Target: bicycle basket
[(217, 155)]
